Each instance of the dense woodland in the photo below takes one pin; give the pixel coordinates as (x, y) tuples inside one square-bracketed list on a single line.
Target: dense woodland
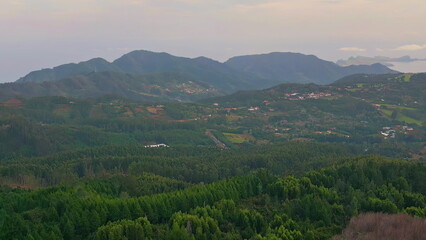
[(290, 162), (259, 205)]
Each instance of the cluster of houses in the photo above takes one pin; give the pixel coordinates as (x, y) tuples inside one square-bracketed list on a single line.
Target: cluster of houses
[(331, 132), (192, 88), (12, 103), (266, 102), (304, 96), (234, 108), (189, 91), (253, 109), (390, 132), (203, 118)]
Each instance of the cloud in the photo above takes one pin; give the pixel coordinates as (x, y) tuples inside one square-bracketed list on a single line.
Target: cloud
[(352, 49), (411, 47)]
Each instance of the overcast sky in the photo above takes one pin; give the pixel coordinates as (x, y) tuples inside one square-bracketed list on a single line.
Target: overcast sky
[(39, 34)]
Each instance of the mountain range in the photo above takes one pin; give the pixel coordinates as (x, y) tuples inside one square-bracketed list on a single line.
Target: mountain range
[(208, 71), (179, 78)]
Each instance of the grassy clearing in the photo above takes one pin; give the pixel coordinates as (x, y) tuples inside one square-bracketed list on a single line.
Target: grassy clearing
[(238, 138), (233, 118), (403, 118), (354, 89), (407, 77), (387, 112), (63, 111), (396, 107)]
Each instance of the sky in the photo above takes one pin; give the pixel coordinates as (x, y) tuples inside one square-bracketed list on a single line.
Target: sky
[(38, 34)]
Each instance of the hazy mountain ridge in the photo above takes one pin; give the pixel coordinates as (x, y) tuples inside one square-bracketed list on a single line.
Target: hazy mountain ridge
[(299, 68), (67, 70), (238, 73), (202, 69)]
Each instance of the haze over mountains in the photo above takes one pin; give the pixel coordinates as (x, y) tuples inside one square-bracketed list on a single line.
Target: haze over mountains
[(211, 72), (140, 75), (387, 61)]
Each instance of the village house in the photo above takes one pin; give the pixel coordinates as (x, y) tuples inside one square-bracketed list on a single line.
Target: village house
[(156, 145), (253, 109)]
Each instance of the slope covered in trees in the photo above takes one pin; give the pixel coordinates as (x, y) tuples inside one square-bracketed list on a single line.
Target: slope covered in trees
[(316, 205), (149, 87), (189, 164), (384, 114), (294, 162)]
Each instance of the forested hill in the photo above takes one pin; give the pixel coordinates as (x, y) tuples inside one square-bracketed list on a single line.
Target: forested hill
[(67, 70), (148, 87), (407, 90), (401, 89), (203, 69), (385, 115), (299, 68)]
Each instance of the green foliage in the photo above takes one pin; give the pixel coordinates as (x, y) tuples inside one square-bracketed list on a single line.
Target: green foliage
[(201, 164), (139, 229), (316, 205)]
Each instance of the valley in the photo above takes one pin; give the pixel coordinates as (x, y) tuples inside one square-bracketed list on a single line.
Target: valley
[(212, 120), (167, 156)]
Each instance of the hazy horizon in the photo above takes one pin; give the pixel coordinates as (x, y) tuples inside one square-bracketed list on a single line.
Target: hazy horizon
[(48, 33)]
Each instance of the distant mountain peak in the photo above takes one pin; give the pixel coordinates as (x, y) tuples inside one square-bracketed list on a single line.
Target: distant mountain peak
[(145, 53), (287, 67)]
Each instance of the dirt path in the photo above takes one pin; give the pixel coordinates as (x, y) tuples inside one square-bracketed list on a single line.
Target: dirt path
[(217, 141)]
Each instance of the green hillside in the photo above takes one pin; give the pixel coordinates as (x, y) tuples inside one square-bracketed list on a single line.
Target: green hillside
[(383, 115), (148, 87), (295, 161)]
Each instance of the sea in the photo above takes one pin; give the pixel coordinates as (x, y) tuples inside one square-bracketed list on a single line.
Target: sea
[(409, 67)]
